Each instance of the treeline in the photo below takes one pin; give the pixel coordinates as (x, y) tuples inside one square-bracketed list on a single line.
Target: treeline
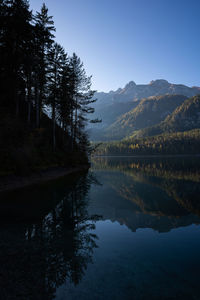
[(187, 142), (45, 94), (37, 76)]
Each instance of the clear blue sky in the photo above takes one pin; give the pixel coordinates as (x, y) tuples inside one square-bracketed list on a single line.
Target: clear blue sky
[(123, 40)]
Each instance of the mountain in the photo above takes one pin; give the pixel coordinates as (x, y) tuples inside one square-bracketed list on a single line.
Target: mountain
[(110, 106), (135, 92), (184, 117), (148, 112)]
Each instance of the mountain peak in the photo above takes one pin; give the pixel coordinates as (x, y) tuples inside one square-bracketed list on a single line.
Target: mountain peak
[(129, 85), (159, 82)]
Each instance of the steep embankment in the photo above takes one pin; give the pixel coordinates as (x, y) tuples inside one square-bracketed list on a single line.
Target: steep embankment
[(25, 149)]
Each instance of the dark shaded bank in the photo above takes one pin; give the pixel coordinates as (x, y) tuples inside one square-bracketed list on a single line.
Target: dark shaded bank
[(12, 182), (45, 98)]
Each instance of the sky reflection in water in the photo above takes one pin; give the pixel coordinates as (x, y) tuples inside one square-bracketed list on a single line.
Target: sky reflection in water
[(127, 230)]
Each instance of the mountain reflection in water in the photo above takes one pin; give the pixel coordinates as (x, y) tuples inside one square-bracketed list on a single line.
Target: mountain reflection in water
[(128, 229), (156, 193)]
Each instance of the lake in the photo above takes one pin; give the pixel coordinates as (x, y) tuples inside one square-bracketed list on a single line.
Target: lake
[(127, 229)]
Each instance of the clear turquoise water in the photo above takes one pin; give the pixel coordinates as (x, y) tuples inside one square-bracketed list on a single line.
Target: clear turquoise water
[(130, 229)]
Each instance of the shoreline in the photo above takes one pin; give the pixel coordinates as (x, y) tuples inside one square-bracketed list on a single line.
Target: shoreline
[(13, 182), (148, 155)]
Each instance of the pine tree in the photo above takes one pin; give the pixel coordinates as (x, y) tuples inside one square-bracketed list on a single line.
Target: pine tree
[(44, 26), (82, 97), (36, 73), (55, 68), (15, 33), (65, 105)]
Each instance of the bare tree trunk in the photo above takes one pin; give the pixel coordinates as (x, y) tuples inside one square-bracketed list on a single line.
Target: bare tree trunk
[(75, 124), (17, 104), (40, 103), (72, 132), (29, 111), (16, 99), (37, 106), (29, 100), (54, 127)]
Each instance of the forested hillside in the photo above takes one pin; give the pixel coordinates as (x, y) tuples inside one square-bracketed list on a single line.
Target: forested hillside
[(148, 112), (45, 94), (184, 117), (187, 142), (113, 105)]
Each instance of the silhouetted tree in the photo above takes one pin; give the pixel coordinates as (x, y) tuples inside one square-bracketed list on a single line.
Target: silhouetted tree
[(56, 63), (82, 96), (15, 36), (37, 77), (44, 26)]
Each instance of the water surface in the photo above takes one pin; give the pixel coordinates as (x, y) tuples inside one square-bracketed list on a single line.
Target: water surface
[(128, 229)]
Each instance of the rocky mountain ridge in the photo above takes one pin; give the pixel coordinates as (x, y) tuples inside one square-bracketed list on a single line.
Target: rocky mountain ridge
[(135, 92), (111, 106)]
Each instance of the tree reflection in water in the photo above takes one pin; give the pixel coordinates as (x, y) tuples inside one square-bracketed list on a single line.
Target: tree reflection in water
[(161, 193), (37, 258)]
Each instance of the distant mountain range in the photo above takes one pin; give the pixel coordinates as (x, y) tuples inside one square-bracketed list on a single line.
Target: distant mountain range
[(138, 109), (135, 92)]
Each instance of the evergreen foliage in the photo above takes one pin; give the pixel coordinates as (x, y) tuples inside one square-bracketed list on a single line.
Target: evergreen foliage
[(148, 112), (185, 117), (187, 142), (42, 88)]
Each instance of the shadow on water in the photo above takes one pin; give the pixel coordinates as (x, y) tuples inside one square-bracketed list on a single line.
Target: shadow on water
[(64, 239), (54, 246)]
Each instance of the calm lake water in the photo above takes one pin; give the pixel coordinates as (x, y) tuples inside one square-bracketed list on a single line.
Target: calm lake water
[(127, 229)]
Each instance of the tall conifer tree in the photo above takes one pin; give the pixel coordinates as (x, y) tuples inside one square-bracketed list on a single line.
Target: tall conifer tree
[(44, 27)]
